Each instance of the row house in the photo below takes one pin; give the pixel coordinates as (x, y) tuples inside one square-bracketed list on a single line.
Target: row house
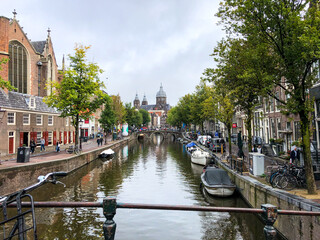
[(23, 114)]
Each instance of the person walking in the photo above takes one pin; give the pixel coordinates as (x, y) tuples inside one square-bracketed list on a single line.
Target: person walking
[(42, 142), (294, 156), (32, 145), (58, 146), (98, 141)]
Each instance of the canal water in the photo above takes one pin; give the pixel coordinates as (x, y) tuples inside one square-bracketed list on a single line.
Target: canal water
[(156, 172)]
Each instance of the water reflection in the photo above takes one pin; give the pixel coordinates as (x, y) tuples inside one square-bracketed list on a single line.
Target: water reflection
[(142, 172)]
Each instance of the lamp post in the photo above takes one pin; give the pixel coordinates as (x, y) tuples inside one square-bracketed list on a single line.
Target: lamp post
[(80, 125)]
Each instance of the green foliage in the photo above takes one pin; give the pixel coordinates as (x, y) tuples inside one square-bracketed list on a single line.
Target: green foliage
[(118, 108), (79, 93), (3, 83), (132, 116), (145, 116), (108, 116)]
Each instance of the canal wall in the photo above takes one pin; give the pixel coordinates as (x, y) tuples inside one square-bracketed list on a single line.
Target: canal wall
[(257, 193), (18, 177)]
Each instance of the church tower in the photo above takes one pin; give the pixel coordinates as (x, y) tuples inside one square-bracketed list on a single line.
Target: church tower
[(161, 99), (136, 102), (144, 101)]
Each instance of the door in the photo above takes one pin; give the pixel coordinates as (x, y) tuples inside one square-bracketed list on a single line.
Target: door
[(21, 139), (11, 143), (54, 138), (65, 137), (26, 139)]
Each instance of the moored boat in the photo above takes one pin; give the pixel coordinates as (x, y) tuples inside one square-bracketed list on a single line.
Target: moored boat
[(106, 153), (217, 182), (199, 157)]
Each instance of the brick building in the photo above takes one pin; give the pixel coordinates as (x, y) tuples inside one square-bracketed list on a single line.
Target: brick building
[(24, 115)]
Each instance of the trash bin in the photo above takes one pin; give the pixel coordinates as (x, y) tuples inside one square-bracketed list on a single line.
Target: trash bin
[(114, 136), (256, 164), (23, 154)]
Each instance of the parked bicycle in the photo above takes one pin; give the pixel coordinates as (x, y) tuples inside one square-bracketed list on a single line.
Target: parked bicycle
[(18, 220), (73, 149)]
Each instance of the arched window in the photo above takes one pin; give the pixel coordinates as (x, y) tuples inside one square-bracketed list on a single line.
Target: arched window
[(18, 71)]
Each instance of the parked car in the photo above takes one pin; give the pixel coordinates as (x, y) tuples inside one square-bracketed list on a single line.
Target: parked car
[(216, 145), (202, 139)]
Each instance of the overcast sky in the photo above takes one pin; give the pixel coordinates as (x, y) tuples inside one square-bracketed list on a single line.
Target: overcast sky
[(138, 43)]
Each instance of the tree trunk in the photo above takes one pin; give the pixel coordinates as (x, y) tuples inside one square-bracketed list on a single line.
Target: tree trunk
[(249, 128), (305, 131), (76, 126), (229, 139)]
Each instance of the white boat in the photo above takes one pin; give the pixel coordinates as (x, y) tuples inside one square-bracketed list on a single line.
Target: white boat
[(106, 153), (199, 157), (217, 182)]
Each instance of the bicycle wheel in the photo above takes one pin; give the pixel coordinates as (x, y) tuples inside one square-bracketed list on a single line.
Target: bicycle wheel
[(276, 180), (288, 182)]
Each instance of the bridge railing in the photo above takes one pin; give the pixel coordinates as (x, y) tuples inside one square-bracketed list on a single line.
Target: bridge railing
[(268, 212)]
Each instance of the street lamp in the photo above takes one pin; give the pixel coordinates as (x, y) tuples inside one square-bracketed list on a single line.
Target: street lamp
[(80, 125)]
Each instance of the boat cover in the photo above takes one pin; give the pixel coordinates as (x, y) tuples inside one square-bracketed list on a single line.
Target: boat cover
[(217, 176), (191, 144)]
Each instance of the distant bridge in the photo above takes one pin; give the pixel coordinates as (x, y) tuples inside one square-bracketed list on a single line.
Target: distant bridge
[(148, 134)]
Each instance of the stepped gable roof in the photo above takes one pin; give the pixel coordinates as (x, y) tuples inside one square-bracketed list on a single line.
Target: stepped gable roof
[(161, 93), (21, 101), (39, 45)]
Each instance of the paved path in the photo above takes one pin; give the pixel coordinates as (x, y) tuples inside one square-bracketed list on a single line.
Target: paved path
[(53, 155)]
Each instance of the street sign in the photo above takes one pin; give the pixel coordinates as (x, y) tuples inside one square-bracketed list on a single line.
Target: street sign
[(234, 125)]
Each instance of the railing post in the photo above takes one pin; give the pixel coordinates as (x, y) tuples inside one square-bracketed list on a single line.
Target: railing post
[(109, 210), (270, 216)]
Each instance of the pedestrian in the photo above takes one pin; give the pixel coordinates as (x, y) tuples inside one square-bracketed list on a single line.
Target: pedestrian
[(259, 149), (42, 142), (32, 145), (294, 156), (101, 141), (98, 141), (58, 146)]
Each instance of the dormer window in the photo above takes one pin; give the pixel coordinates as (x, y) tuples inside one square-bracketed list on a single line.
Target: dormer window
[(32, 102)]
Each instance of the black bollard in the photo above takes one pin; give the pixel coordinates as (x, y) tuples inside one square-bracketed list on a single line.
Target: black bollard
[(270, 216), (109, 210)]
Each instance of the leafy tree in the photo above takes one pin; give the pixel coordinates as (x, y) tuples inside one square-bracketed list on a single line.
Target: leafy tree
[(118, 108), (173, 118), (290, 30), (132, 116), (145, 116), (108, 116), (3, 83), (79, 93), (184, 109)]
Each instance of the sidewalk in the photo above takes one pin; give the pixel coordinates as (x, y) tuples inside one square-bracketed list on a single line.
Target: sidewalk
[(274, 161), (46, 156)]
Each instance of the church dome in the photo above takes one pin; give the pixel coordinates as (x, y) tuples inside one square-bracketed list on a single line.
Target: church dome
[(161, 93), (136, 98), (144, 98)]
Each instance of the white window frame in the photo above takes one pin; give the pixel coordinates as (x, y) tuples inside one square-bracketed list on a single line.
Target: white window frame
[(32, 102), (50, 117), (67, 122), (50, 138), (41, 119), (14, 118), (23, 119), (39, 136)]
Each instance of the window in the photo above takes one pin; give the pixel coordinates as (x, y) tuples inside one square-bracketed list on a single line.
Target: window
[(297, 132), (50, 120), (50, 137), (26, 119), (32, 102), (11, 118), (277, 102), (67, 121), (288, 126), (39, 136), (39, 119), (18, 74), (271, 104)]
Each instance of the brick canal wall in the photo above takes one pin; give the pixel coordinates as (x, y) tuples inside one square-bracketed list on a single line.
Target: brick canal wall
[(15, 178), (292, 227)]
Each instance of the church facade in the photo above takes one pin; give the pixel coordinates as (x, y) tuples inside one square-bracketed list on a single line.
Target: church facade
[(30, 67), (158, 112)]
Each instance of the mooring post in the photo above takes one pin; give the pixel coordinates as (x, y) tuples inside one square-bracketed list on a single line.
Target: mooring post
[(109, 210), (269, 214)]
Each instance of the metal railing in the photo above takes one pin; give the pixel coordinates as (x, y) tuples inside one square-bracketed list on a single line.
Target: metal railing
[(268, 212)]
